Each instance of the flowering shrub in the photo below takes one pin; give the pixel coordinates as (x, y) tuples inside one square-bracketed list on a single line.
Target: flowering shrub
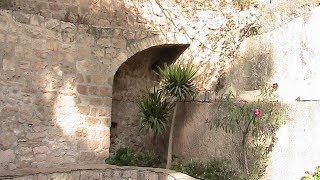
[(312, 175), (255, 121)]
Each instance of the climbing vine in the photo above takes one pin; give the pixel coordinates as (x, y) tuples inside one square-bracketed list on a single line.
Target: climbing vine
[(256, 122)]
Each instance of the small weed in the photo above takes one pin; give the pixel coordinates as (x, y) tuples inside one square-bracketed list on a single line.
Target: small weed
[(213, 169)]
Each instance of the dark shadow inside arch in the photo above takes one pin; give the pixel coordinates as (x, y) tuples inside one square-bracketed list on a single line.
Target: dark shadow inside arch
[(132, 79)]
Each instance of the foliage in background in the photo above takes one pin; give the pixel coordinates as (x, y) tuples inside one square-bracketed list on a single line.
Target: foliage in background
[(176, 82), (155, 110), (127, 157), (257, 122), (213, 169), (311, 175)]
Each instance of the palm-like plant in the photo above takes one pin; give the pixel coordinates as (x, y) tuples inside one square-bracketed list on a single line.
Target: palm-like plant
[(176, 82), (155, 110)]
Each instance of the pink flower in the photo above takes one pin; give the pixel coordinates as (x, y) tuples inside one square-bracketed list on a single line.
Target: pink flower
[(257, 113), (308, 172), (275, 86)]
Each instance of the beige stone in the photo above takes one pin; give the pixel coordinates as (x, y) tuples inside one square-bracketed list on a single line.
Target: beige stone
[(8, 65), (81, 132), (7, 156), (7, 140), (41, 150), (118, 43)]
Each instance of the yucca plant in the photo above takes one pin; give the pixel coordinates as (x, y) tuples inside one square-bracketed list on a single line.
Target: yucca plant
[(155, 110), (176, 82)]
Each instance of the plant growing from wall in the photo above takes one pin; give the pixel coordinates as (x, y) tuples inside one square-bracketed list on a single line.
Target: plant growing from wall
[(255, 121), (176, 82)]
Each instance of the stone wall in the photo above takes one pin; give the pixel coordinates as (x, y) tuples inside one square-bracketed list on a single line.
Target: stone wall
[(214, 29), (57, 77), (56, 88), (94, 172)]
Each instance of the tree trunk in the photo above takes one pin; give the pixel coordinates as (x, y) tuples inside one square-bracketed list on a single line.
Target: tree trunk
[(244, 151), (169, 155)]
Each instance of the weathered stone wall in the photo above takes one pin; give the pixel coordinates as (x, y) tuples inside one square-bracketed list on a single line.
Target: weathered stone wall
[(56, 88), (57, 77), (96, 172), (214, 29)]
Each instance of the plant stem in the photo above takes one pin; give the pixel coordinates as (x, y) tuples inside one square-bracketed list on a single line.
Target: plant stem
[(244, 151), (244, 147), (169, 155)]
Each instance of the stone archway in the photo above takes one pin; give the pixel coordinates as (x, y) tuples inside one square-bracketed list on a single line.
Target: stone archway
[(131, 80)]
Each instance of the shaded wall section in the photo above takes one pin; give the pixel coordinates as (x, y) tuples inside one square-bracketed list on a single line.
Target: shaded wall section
[(134, 78)]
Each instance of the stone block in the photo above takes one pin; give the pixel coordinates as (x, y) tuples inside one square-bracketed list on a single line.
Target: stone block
[(21, 17), (7, 140), (104, 112), (99, 79), (92, 121), (52, 45), (96, 102), (81, 132), (130, 174), (106, 91), (106, 121), (201, 96), (53, 24), (42, 177), (12, 38), (119, 43), (210, 96), (24, 65), (36, 20), (83, 52), (105, 42), (81, 89), (93, 90), (34, 136), (93, 111), (7, 156), (89, 175), (24, 150), (85, 110), (105, 133), (87, 156), (59, 176), (79, 78), (41, 150)]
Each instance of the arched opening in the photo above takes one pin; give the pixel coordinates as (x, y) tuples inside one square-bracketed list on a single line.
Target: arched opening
[(131, 80)]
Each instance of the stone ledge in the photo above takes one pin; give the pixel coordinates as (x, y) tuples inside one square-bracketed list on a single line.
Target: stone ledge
[(94, 167)]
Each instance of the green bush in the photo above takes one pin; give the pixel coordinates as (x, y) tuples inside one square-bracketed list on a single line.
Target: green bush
[(127, 157), (214, 169)]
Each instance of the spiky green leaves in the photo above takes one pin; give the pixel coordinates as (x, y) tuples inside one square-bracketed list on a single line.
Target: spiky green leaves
[(155, 110), (177, 81)]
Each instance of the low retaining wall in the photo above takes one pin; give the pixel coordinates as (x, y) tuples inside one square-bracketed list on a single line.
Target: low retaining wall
[(101, 171)]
